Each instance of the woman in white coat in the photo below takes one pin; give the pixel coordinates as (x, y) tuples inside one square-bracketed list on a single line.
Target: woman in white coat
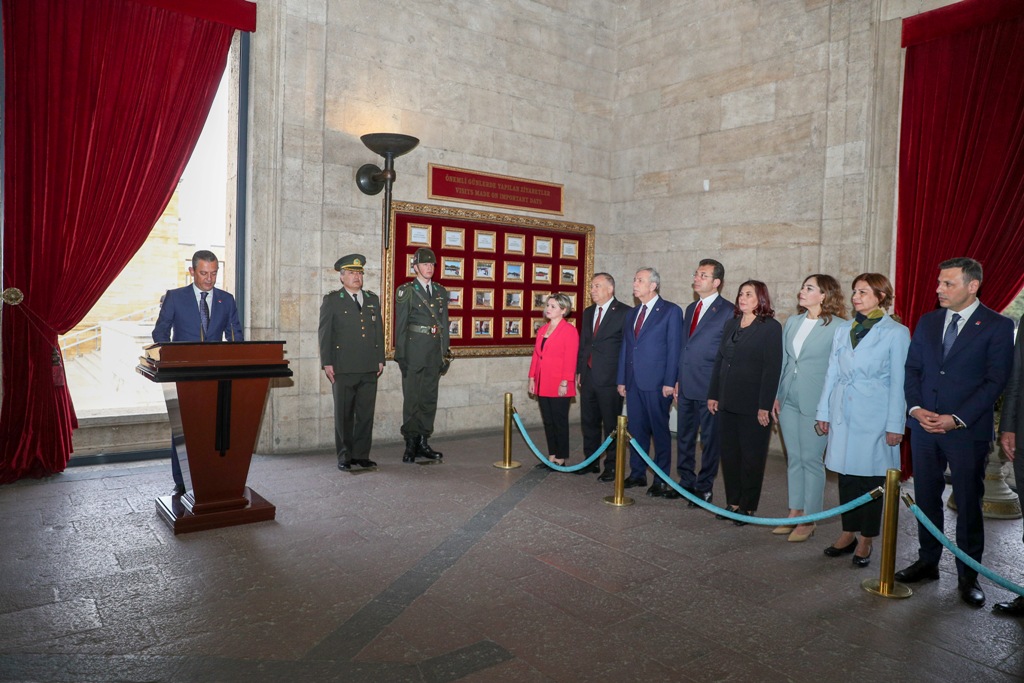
[(806, 348), (863, 409)]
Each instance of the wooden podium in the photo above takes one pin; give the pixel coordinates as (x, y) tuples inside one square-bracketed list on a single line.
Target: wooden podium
[(215, 394)]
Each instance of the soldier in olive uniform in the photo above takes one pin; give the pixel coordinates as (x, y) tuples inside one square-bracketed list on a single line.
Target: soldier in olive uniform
[(352, 355), (421, 344)]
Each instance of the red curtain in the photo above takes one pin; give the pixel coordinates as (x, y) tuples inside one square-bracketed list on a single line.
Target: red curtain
[(105, 100), (961, 183)]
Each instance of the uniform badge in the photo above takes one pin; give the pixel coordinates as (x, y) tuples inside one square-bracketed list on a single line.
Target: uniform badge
[(400, 294)]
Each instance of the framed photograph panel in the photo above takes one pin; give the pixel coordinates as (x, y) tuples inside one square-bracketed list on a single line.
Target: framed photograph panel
[(454, 298), (453, 238), (490, 263)]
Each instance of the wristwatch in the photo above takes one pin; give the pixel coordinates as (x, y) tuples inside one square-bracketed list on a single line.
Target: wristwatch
[(960, 424)]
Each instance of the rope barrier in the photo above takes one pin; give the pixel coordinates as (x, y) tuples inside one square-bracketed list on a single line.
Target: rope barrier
[(960, 554), (763, 521), (544, 459)]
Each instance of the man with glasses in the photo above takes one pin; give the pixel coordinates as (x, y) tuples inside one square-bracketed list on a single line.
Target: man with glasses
[(703, 322)]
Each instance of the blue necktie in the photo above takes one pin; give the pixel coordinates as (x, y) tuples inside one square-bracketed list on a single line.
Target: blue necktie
[(204, 313), (950, 336)]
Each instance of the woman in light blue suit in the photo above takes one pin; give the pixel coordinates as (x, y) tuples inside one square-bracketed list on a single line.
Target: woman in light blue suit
[(806, 346), (863, 409)]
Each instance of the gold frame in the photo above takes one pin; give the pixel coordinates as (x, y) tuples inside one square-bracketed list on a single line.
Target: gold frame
[(462, 268), (575, 247), (462, 297), (537, 241), (477, 262), (448, 230), (486, 233), (575, 275), (504, 327), (457, 321), (419, 226), (490, 327), (522, 244), (505, 306), (481, 290), (534, 280)]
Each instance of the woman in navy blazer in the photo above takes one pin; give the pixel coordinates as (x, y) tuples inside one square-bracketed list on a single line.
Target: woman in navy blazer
[(552, 375), (806, 345), (742, 393)]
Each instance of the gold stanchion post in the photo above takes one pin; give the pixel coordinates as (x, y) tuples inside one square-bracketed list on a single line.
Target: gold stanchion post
[(507, 463), (885, 585), (621, 446)]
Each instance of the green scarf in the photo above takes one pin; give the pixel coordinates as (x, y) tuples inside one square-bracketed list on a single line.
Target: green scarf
[(862, 324)]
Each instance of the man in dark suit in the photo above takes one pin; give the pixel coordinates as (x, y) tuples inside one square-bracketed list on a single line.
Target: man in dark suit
[(1011, 422), (702, 333), (352, 355), (648, 366), (198, 312), (958, 363), (597, 370)]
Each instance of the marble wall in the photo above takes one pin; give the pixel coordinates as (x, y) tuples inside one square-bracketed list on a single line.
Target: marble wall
[(760, 133)]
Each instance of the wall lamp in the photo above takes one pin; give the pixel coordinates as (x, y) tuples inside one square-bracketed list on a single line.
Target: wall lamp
[(371, 179)]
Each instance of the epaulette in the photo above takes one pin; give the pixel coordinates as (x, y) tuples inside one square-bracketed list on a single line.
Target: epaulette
[(402, 291), (370, 292)]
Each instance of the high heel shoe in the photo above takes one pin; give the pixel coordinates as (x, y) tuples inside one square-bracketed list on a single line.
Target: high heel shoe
[(861, 562), (747, 513), (833, 551), (720, 516), (783, 530), (797, 537)]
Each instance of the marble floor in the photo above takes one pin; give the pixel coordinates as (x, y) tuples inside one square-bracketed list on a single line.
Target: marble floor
[(463, 572)]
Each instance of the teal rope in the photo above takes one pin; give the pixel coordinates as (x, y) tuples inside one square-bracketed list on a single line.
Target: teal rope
[(544, 459), (763, 521), (960, 554)]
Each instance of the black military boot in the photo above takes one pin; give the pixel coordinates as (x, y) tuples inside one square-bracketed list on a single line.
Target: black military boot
[(424, 450), (344, 463), (410, 450)]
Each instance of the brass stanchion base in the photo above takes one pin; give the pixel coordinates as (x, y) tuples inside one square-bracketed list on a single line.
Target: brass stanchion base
[(611, 500), (899, 590), (510, 466)]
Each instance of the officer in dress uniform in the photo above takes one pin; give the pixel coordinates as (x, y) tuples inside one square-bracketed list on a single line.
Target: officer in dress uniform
[(421, 345), (352, 355)]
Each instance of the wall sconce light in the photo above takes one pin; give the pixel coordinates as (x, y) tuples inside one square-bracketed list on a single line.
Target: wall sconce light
[(371, 179)]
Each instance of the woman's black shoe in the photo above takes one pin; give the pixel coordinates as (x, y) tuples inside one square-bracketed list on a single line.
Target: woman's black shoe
[(833, 551), (861, 562), (748, 513)]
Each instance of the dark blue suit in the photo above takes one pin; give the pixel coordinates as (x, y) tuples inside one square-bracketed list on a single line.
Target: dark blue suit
[(179, 321), (179, 317), (696, 363), (647, 363), (965, 384)]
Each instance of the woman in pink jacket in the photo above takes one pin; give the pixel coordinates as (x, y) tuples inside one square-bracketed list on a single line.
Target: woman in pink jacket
[(552, 375)]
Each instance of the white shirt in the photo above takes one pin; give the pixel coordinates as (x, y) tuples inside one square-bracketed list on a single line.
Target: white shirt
[(802, 334), (705, 304), (199, 297), (600, 312), (964, 316), (650, 307)]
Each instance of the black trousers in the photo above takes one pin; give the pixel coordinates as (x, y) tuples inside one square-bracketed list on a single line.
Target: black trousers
[(600, 408), (744, 451), (355, 401), (866, 519), (554, 411)]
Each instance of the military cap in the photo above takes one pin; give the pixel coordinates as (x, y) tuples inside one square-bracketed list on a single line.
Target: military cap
[(424, 255), (353, 262)]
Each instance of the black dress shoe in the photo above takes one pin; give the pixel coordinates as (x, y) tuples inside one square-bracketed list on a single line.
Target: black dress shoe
[(706, 496), (633, 483), (608, 475), (833, 551), (861, 562), (592, 468), (178, 490), (1014, 608), (721, 516), (658, 489), (364, 463), (919, 571), (970, 592), (345, 465), (739, 522)]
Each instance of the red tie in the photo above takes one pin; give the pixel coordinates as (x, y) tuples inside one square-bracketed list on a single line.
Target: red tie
[(597, 325), (696, 316), (639, 321)]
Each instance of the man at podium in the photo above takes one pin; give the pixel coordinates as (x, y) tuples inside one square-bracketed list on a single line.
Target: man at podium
[(198, 312)]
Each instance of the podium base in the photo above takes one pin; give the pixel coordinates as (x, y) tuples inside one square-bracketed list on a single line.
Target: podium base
[(182, 521)]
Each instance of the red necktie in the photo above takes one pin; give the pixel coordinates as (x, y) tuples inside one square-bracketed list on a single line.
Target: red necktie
[(597, 325), (639, 321), (696, 316)]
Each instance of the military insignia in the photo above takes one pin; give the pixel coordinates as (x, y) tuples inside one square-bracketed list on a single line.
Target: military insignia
[(400, 294), (357, 262)]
